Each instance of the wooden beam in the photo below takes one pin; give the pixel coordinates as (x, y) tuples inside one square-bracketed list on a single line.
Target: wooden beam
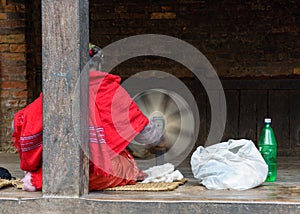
[(65, 51)]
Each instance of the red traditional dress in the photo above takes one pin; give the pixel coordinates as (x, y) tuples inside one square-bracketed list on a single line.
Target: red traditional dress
[(114, 121)]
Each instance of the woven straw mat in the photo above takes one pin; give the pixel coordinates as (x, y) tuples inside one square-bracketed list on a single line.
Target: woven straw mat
[(6, 183), (151, 187)]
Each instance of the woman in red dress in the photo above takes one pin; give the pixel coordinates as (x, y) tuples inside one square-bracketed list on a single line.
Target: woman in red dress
[(114, 121)]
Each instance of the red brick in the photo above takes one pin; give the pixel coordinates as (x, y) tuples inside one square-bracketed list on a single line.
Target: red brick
[(13, 84), (4, 77), (22, 103), (166, 15), (12, 38), (17, 48), (2, 3), (14, 103), (15, 69), (4, 47), (9, 103), (11, 63), (132, 16), (12, 24), (166, 8), (20, 94), (3, 16), (13, 56), (296, 71), (10, 8), (14, 77), (5, 93)]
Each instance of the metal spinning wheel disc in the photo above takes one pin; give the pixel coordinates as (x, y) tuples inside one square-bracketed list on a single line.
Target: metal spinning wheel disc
[(178, 125)]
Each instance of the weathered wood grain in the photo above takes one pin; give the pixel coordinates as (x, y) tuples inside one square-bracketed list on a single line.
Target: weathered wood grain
[(294, 104), (65, 51), (279, 112), (261, 111), (215, 130), (202, 101), (247, 115), (231, 128), (253, 110)]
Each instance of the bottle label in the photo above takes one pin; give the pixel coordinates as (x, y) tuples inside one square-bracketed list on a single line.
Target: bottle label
[(269, 154)]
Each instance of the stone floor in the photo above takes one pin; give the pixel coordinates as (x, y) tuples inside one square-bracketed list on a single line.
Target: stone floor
[(282, 196)]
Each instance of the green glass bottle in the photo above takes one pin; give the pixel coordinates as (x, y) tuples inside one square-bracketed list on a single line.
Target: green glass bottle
[(267, 146)]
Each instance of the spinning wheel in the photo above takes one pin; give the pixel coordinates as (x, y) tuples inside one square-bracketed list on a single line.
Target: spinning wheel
[(170, 112)]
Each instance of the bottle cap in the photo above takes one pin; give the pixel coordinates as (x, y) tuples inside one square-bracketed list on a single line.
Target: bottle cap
[(267, 120)]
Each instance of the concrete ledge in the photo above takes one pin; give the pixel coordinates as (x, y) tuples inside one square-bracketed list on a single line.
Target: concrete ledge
[(82, 205)]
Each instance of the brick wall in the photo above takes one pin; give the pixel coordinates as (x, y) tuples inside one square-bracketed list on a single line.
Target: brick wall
[(240, 38), (13, 83), (34, 48), (20, 60), (249, 39)]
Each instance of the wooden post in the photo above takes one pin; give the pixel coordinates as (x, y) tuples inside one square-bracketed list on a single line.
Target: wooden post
[(65, 51)]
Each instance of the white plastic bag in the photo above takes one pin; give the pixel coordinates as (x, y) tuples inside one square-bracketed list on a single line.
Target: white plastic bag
[(236, 164), (162, 173)]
